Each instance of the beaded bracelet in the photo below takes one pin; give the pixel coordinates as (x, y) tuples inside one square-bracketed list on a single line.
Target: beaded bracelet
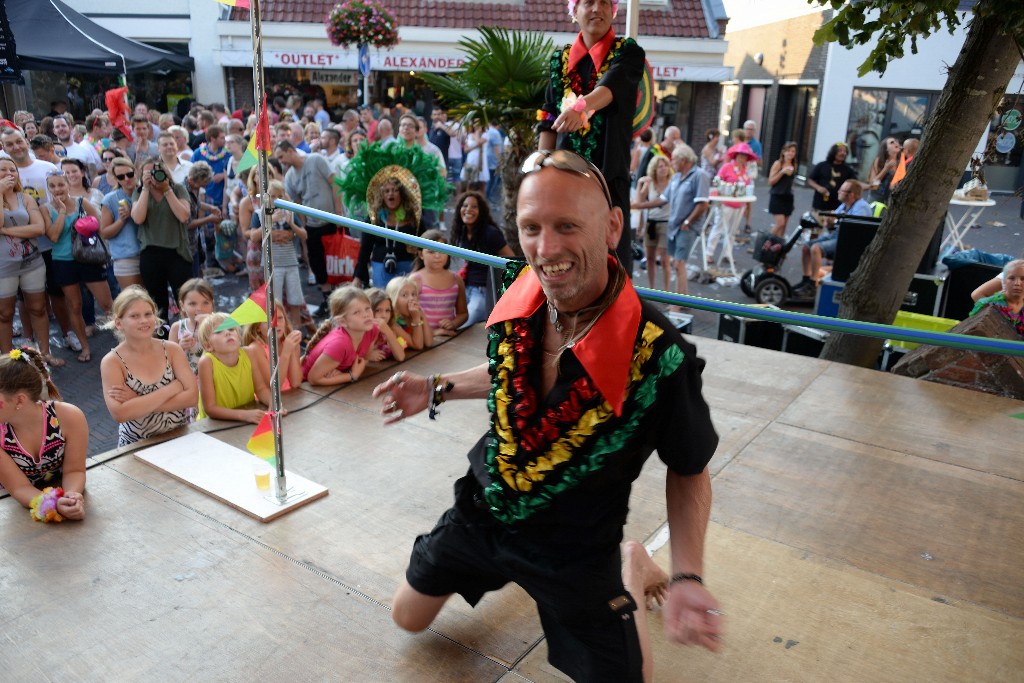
[(437, 391), (679, 578)]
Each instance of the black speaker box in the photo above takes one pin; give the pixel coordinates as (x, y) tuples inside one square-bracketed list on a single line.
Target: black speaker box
[(856, 233), (960, 283), (803, 341), (759, 333)]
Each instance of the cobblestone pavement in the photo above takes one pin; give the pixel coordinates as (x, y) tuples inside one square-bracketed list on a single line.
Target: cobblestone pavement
[(999, 232)]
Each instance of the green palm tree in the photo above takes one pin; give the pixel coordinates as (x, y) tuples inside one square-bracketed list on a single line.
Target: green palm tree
[(503, 80)]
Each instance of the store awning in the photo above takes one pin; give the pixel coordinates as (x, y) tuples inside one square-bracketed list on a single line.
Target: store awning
[(50, 36)]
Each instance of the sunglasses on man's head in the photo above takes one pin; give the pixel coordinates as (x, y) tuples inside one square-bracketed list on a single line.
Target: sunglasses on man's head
[(565, 160), (129, 174)]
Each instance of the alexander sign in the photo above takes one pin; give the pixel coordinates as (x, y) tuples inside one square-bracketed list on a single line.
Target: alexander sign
[(390, 61)]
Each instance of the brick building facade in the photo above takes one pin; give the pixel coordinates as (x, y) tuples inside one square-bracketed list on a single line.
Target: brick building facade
[(777, 83)]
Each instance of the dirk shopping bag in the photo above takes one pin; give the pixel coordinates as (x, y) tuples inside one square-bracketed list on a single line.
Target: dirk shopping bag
[(341, 251)]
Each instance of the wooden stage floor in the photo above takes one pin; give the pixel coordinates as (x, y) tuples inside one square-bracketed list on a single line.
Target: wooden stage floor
[(865, 527)]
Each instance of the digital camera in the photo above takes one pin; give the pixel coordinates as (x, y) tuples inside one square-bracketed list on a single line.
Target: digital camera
[(159, 173), (390, 262)]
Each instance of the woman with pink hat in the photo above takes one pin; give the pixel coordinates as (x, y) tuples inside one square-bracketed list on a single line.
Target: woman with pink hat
[(733, 171)]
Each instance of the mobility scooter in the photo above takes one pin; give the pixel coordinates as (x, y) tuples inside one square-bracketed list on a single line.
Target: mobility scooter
[(765, 282)]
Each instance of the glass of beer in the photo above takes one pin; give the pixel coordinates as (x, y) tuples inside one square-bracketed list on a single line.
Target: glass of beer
[(262, 472)]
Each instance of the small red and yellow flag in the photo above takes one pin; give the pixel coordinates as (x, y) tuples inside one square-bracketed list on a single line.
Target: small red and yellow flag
[(252, 310), (261, 443), (260, 139)]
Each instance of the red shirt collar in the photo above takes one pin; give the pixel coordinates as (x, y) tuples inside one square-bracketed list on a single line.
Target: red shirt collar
[(597, 53), (607, 349)]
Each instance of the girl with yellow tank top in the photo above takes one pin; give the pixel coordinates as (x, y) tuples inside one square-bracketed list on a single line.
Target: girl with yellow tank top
[(229, 379)]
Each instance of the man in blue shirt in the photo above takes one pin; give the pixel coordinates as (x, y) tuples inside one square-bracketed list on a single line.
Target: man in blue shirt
[(688, 196), (851, 204), (213, 152), (321, 116), (750, 128)]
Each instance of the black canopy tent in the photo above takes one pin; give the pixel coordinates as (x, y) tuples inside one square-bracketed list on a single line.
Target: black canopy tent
[(50, 36)]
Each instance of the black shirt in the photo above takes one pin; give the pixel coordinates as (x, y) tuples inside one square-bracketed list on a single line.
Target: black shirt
[(830, 176), (587, 495), (611, 153), (486, 240), (374, 248), (441, 140)]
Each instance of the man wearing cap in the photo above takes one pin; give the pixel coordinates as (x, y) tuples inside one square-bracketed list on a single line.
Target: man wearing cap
[(584, 381), (591, 101)]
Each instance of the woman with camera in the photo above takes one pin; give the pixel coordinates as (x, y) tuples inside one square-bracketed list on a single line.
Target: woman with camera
[(393, 200), (162, 209)]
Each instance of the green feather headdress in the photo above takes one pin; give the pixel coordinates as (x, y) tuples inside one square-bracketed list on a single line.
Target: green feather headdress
[(415, 170)]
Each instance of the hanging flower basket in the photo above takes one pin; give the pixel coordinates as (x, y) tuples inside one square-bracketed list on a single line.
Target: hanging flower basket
[(358, 22)]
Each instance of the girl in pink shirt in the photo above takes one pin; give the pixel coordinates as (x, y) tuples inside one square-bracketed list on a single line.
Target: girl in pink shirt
[(337, 352)]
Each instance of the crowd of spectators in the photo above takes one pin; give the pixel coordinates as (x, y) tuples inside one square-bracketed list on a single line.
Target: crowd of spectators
[(164, 198)]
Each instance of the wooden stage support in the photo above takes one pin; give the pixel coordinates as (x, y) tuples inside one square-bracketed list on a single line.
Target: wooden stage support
[(865, 527)]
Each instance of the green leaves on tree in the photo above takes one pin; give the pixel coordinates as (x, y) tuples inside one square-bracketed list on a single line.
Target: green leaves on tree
[(891, 25)]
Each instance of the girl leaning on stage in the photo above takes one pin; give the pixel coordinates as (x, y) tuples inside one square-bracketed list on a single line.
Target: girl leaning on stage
[(42, 440)]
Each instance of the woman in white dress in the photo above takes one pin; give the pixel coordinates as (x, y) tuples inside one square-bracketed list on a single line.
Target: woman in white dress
[(474, 174)]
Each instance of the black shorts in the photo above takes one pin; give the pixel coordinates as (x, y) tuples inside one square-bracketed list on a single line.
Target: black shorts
[(780, 205), (67, 273), (586, 613), (52, 287)]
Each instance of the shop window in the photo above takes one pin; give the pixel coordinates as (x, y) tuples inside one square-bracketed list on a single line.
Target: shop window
[(876, 114), (794, 120), (1005, 145), (730, 93)]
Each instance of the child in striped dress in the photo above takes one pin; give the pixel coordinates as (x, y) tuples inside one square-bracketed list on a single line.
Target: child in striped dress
[(442, 292)]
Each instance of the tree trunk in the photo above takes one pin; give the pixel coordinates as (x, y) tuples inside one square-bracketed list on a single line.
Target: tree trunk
[(876, 288)]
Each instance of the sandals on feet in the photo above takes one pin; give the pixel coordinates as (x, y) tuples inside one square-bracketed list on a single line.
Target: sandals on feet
[(84, 357), (54, 362)]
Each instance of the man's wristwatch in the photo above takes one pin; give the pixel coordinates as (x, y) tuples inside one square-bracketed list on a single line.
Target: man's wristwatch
[(687, 222)]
